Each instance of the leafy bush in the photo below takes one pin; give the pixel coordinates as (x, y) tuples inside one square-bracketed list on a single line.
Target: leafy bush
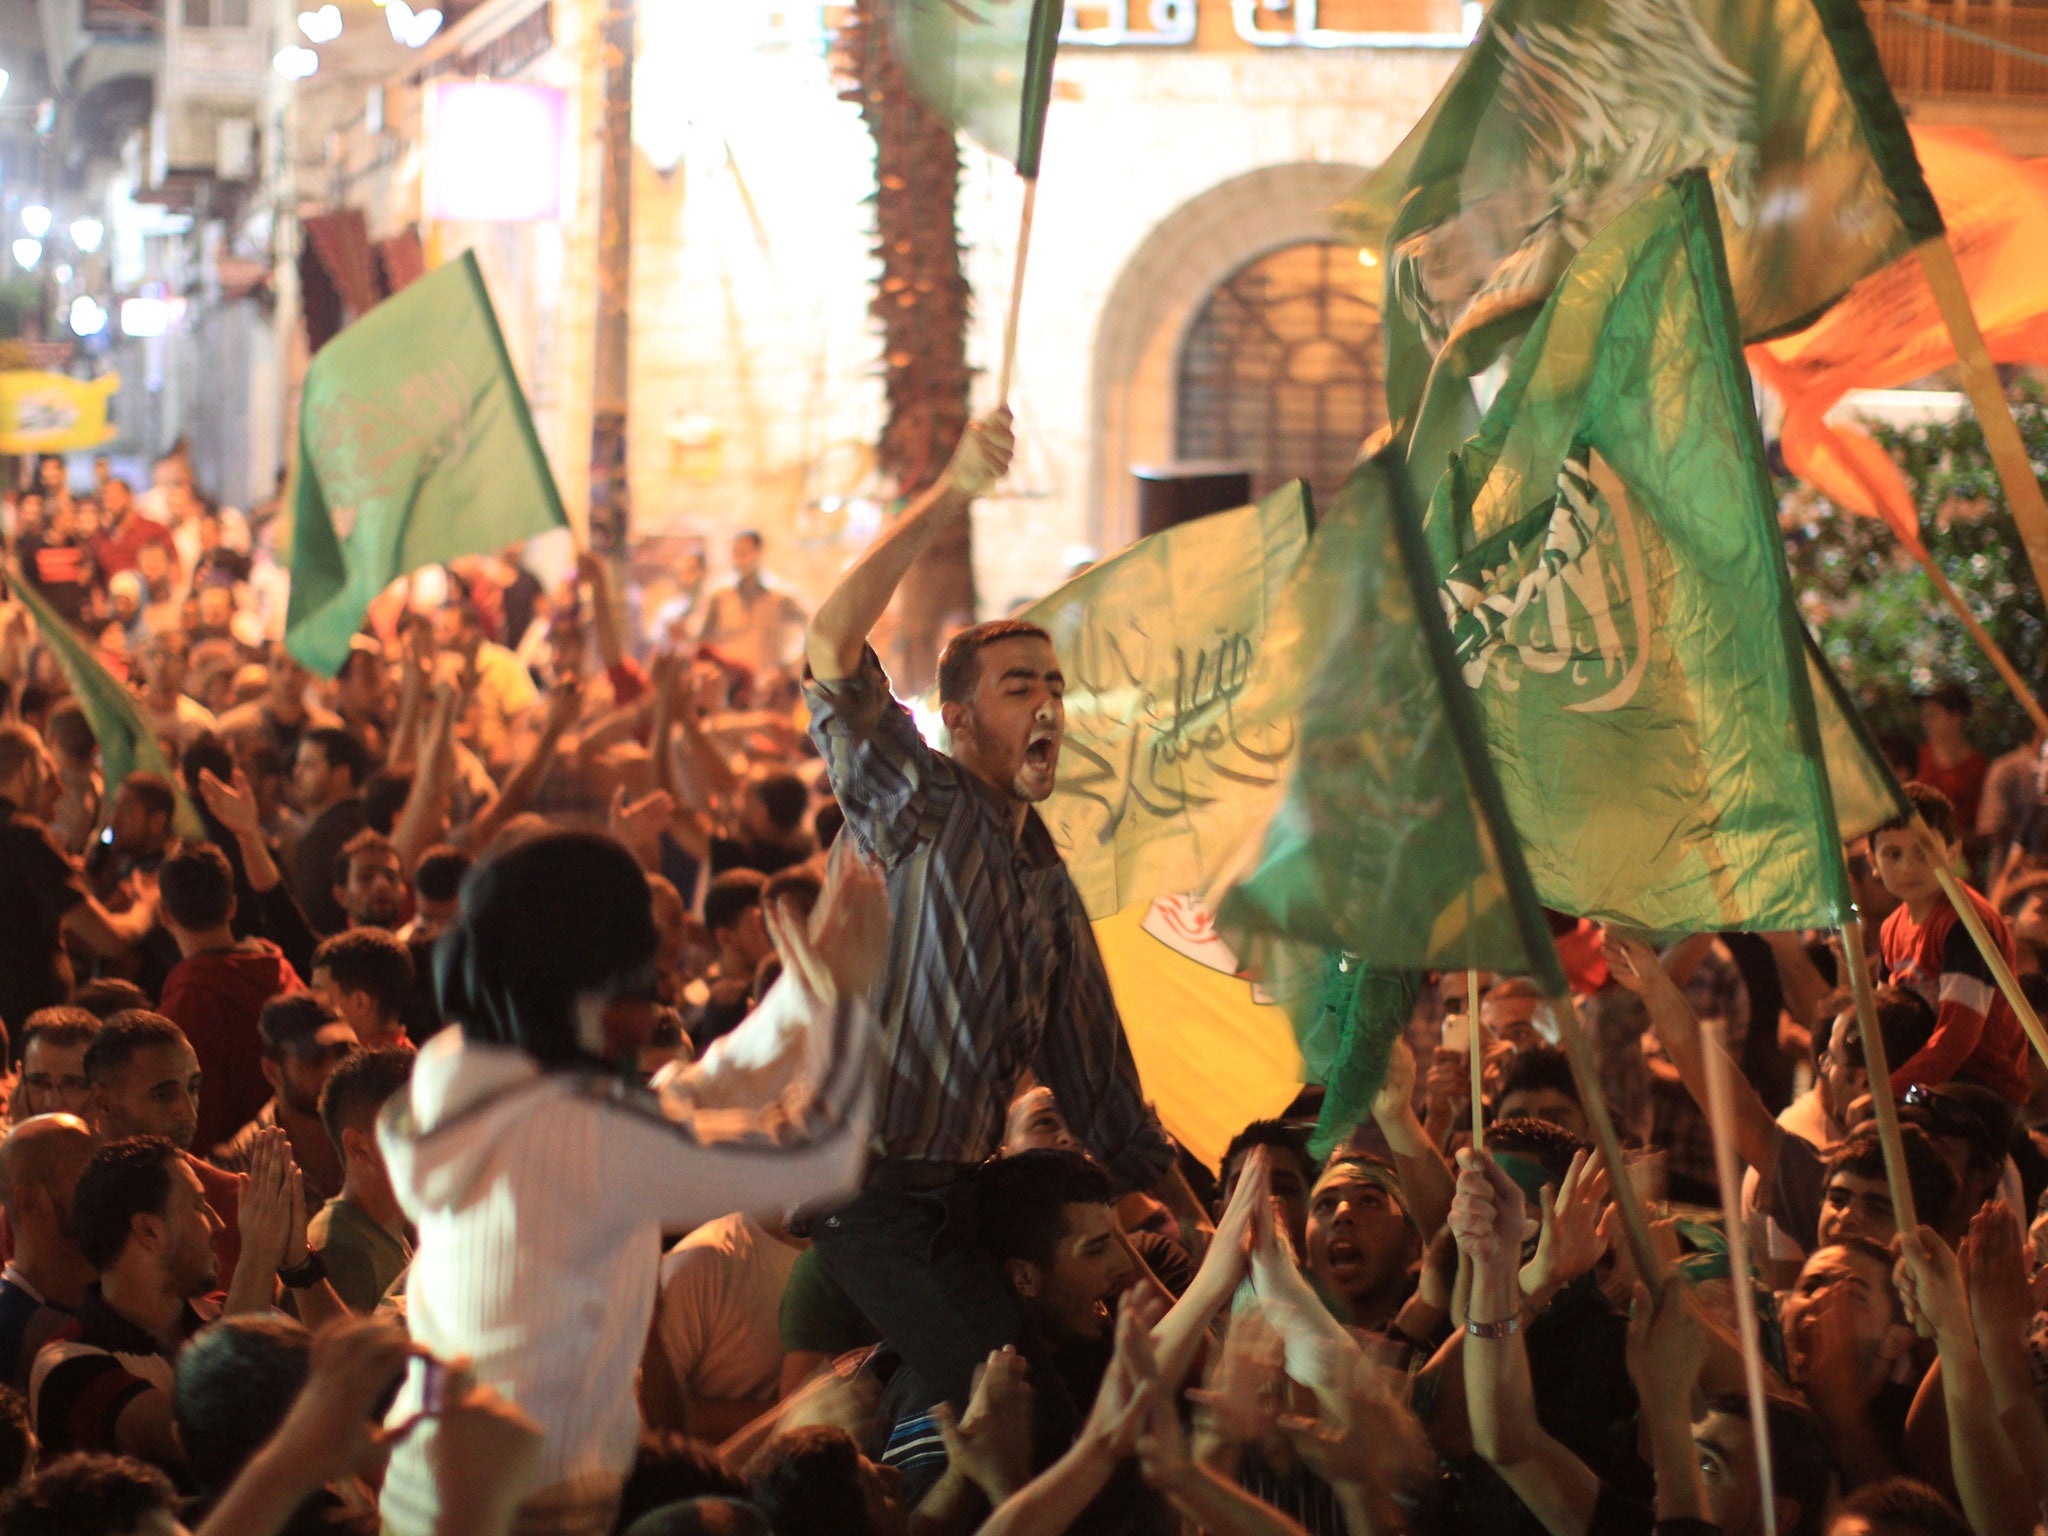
[(1884, 628)]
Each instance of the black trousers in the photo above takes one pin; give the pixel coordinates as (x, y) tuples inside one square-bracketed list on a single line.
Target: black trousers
[(904, 1251)]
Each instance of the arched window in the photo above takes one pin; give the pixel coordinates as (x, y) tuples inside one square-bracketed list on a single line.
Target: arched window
[(1280, 368)]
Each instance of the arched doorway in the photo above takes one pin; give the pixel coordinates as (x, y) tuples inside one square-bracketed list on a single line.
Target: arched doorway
[(1145, 318), (1280, 368)]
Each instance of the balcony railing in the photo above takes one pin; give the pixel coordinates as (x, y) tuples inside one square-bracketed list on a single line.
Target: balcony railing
[(1995, 51)]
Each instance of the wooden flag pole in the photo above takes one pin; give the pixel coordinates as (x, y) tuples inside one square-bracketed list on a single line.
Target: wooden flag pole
[(1881, 1100), (1634, 1227), (1016, 291), (1721, 1115), (1966, 910), (1978, 633), (1478, 1070), (1987, 396)]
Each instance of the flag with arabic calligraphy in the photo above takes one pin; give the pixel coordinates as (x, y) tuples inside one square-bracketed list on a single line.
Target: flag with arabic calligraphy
[(1390, 841), (1390, 852), (415, 446), (1179, 713), (985, 66), (1619, 604), (1563, 112)]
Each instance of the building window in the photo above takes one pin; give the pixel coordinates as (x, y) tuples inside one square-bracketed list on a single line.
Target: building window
[(1280, 368)]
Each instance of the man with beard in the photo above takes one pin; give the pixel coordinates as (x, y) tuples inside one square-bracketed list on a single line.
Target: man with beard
[(303, 1041), (40, 1162), (145, 1082), (329, 770), (105, 1383), (369, 882), (992, 968), (1849, 1350)]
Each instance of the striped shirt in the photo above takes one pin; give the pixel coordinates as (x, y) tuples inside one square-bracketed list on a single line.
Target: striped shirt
[(94, 1367), (992, 969)]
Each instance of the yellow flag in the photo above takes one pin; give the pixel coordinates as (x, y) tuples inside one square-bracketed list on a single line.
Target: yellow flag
[(1213, 1059), (54, 413)]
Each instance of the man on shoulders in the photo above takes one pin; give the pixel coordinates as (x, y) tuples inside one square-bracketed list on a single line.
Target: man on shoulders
[(1977, 1037), (992, 968)]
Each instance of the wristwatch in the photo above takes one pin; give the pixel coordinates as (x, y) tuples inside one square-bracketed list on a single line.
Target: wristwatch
[(308, 1272), (1506, 1328)]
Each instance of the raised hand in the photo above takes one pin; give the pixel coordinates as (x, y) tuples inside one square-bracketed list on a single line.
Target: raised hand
[(330, 1428), (1571, 1242), (1994, 1262), (1930, 1283), (1396, 1097), (1122, 1402), (983, 455), (1633, 963), (233, 805), (639, 823), (1665, 1346), (1366, 1438), (1242, 1401), (565, 703), (1488, 1214), (991, 1443)]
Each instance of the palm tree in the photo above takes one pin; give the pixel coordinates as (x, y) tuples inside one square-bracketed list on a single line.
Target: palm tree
[(922, 301)]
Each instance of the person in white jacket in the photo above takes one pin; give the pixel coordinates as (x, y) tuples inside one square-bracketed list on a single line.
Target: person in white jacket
[(540, 1175)]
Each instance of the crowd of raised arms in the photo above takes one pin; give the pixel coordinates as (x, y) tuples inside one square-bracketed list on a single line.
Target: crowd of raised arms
[(592, 1066)]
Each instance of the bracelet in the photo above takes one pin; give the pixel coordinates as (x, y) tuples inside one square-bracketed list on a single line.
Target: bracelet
[(308, 1272), (1506, 1328)]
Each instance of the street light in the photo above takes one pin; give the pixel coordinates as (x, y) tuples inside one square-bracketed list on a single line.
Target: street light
[(27, 253), (86, 234), (88, 316), (294, 62), (35, 218)]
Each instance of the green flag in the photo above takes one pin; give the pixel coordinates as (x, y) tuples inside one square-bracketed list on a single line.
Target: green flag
[(415, 446), (1391, 852), (985, 66), (1564, 112), (1619, 603), (1179, 710), (1391, 842), (126, 742)]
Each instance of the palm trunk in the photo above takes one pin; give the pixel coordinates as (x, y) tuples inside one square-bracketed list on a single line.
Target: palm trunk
[(922, 302)]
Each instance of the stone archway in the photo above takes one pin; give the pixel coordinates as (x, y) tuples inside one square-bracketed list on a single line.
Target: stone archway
[(1165, 281)]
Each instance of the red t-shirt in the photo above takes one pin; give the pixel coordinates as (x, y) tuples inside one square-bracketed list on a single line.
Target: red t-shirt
[(121, 549), (1976, 1034)]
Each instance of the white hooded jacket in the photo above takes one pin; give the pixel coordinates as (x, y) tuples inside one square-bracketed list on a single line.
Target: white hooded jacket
[(540, 1199)]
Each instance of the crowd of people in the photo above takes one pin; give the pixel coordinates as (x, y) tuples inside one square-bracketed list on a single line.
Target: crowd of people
[(592, 1065)]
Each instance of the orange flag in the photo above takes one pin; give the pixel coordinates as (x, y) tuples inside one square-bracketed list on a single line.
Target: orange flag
[(1887, 330)]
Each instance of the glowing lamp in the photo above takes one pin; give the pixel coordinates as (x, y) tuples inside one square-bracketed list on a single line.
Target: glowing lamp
[(493, 151)]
